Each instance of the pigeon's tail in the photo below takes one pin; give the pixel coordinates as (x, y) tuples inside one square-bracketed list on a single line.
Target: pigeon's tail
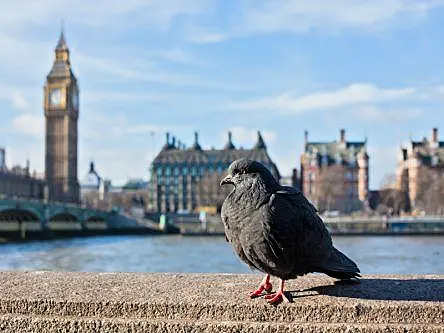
[(339, 266)]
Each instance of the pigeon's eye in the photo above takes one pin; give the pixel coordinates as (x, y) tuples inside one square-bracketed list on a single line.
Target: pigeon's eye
[(236, 171)]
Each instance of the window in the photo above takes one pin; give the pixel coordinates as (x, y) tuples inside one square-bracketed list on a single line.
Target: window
[(310, 183)]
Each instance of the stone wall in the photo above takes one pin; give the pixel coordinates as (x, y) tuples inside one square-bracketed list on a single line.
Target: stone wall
[(136, 302)]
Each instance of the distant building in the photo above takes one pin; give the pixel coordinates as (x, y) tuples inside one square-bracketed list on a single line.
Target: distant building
[(334, 175), (2, 159), (292, 180), (93, 187), (61, 110), (98, 193), (18, 182), (135, 184), (188, 179), (413, 158)]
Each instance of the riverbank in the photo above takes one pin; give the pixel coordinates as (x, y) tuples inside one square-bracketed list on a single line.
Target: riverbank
[(344, 225)]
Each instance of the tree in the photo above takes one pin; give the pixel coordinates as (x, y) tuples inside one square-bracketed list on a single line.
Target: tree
[(388, 181), (331, 187), (430, 190), (392, 201)]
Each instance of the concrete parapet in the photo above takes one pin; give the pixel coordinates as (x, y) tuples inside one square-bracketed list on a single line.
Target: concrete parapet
[(133, 302)]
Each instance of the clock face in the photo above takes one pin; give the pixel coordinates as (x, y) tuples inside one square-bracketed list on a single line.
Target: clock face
[(55, 97), (75, 99)]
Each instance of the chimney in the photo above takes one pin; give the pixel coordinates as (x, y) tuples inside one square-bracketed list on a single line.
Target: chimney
[(435, 134), (196, 144), (305, 140), (2, 158), (342, 135)]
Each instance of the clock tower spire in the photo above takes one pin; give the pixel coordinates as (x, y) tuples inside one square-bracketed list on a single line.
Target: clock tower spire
[(61, 109)]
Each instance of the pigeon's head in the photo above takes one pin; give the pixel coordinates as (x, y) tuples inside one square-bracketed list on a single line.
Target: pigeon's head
[(244, 171)]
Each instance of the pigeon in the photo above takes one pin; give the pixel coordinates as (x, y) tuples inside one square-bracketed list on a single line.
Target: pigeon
[(276, 230)]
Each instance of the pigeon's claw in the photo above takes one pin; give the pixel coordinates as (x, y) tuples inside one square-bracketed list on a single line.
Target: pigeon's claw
[(265, 285), (277, 297), (258, 292)]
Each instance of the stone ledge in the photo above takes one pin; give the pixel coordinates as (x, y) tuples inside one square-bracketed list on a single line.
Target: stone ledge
[(39, 301), (14, 323)]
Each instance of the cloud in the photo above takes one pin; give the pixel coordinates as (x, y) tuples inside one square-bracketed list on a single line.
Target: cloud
[(29, 124), (387, 115), (142, 70), (203, 37), (305, 15), (114, 96), (177, 55), (159, 14), (259, 17), (19, 102), (353, 94), (107, 129)]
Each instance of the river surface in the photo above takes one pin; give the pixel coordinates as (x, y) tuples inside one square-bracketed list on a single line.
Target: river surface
[(374, 255)]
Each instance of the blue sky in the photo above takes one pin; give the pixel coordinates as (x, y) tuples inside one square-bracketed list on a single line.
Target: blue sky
[(281, 66)]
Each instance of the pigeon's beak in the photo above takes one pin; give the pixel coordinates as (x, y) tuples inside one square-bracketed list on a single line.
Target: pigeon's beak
[(226, 180)]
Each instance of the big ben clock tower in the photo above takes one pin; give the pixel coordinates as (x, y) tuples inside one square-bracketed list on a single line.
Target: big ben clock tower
[(61, 105)]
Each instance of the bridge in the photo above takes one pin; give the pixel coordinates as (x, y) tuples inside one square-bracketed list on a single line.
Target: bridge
[(21, 218)]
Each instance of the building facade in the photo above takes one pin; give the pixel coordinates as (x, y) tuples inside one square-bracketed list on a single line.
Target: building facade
[(98, 193), (61, 109), (186, 180), (18, 182), (334, 175), (415, 159)]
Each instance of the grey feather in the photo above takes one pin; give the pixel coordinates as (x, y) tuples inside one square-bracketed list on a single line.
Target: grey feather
[(275, 229)]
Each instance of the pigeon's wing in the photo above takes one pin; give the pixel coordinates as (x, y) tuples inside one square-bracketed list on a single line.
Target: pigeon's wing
[(294, 230)]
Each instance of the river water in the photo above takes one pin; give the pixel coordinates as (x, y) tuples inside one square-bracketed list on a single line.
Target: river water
[(374, 255)]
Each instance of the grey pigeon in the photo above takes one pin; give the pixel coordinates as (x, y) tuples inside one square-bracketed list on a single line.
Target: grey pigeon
[(276, 230)]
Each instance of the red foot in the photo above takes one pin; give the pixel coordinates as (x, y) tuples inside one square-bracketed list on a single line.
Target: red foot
[(277, 297), (258, 292), (265, 285)]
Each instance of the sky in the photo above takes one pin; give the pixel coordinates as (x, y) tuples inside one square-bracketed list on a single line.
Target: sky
[(145, 67)]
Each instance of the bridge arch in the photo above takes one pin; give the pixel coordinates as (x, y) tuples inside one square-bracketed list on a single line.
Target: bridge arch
[(18, 214), (96, 218), (63, 216)]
